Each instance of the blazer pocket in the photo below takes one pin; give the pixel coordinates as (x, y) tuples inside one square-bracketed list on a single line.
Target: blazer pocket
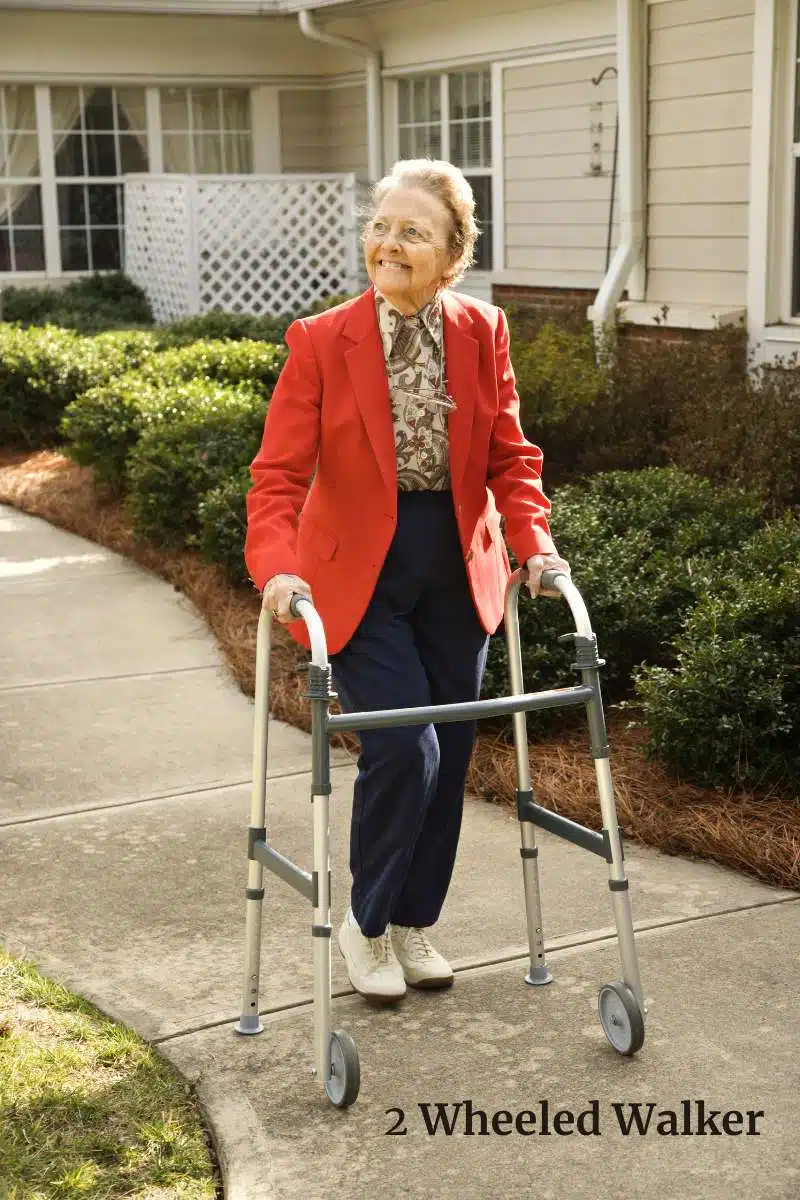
[(491, 530)]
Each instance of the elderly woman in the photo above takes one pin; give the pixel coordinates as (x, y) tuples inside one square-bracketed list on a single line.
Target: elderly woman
[(391, 442)]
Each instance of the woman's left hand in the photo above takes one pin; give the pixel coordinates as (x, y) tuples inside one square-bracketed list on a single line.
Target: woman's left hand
[(537, 565)]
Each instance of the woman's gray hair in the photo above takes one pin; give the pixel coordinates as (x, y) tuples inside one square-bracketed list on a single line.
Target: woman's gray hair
[(447, 183)]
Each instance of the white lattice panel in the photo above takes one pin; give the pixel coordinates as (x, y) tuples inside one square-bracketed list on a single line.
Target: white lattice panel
[(255, 244), (158, 243)]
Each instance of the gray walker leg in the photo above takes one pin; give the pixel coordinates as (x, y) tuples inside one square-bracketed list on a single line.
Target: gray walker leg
[(538, 973), (336, 1064)]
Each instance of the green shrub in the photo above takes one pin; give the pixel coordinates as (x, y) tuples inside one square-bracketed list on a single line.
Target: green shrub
[(245, 361), (224, 325), (643, 546), (223, 523), (183, 453), (42, 371), (729, 711), (103, 425), (559, 383), (90, 305)]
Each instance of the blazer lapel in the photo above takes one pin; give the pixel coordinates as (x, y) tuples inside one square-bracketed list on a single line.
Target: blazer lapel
[(462, 360), (367, 368)]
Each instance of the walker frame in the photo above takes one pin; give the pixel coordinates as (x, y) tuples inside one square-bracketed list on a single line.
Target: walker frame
[(621, 1003)]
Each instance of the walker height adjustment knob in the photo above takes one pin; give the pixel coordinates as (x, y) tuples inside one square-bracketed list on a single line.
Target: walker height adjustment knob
[(585, 651)]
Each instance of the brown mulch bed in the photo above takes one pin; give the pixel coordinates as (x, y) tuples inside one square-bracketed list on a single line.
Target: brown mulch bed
[(754, 832)]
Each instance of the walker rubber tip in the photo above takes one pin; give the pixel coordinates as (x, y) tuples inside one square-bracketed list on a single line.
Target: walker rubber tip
[(249, 1025), (538, 977)]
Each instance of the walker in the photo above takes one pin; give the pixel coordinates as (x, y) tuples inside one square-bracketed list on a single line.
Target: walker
[(621, 1003)]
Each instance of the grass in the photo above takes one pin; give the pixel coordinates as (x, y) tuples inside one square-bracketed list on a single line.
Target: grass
[(755, 832), (88, 1111)]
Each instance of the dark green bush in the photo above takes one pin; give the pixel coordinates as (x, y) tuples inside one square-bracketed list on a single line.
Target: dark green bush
[(643, 546), (559, 385), (215, 326), (42, 371), (90, 305), (223, 523), (103, 425), (184, 453), (728, 712)]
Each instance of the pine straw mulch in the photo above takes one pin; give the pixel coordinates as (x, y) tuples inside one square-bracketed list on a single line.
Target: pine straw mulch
[(758, 833)]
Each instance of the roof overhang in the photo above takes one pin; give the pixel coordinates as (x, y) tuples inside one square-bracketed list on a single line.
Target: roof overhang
[(220, 8)]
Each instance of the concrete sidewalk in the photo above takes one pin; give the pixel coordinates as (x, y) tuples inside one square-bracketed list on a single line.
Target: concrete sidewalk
[(125, 758)]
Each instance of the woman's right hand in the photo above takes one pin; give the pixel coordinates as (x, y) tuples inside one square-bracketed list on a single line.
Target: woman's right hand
[(279, 591)]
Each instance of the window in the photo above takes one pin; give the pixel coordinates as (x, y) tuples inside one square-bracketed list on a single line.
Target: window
[(450, 116), (99, 134), (206, 130), (21, 227)]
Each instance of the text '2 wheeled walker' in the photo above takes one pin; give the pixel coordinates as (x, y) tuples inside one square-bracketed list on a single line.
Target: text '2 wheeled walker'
[(621, 1004)]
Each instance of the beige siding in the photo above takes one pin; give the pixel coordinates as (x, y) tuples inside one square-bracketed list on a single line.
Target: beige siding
[(304, 131), (700, 65), (348, 128), (556, 213), (323, 129)]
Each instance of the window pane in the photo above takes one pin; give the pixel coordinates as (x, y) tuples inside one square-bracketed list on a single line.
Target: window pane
[(98, 109), (174, 109), (5, 207), (456, 96), (69, 156), (472, 99), (20, 107), (102, 154), (74, 253), (25, 205), (71, 204), (105, 250), (176, 153), (29, 249), (235, 110), (206, 117), (472, 148), (131, 109), (796, 247), (404, 101), (236, 151), (23, 157), (208, 154), (482, 190), (132, 155), (103, 204), (457, 145), (486, 108), (65, 108), (406, 150), (422, 108), (5, 250)]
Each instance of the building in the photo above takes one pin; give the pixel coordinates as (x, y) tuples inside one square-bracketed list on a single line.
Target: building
[(681, 213)]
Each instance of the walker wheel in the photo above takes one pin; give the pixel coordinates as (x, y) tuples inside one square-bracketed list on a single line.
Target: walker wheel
[(345, 1081), (621, 1017)]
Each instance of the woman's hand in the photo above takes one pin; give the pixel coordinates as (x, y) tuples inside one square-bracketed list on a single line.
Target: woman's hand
[(537, 565), (279, 591)]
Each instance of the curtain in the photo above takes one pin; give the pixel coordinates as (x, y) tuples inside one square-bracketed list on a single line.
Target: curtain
[(19, 148)]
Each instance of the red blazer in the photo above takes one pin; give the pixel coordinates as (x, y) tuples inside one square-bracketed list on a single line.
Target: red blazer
[(330, 418)]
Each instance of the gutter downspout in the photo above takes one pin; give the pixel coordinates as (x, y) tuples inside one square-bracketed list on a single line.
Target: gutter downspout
[(374, 87), (626, 262)]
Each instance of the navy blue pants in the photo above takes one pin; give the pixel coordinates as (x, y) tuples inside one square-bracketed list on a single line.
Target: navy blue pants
[(419, 642)]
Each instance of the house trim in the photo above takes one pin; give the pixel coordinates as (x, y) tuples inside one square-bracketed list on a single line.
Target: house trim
[(762, 151), (526, 56)]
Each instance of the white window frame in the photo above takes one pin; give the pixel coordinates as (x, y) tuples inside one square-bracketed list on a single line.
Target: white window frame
[(32, 181), (495, 141)]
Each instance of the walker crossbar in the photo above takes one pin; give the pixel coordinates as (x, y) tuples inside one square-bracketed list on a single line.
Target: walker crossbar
[(440, 714), (622, 1008)]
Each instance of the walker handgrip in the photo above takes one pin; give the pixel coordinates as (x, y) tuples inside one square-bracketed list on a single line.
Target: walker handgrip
[(548, 580), (296, 598)]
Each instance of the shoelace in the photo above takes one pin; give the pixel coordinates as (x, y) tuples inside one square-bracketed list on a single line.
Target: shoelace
[(417, 943), (380, 948)]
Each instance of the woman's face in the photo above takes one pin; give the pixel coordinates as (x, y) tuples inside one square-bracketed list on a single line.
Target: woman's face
[(406, 247)]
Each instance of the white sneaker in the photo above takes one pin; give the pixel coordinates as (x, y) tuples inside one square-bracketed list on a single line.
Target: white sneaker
[(423, 966), (373, 969)]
